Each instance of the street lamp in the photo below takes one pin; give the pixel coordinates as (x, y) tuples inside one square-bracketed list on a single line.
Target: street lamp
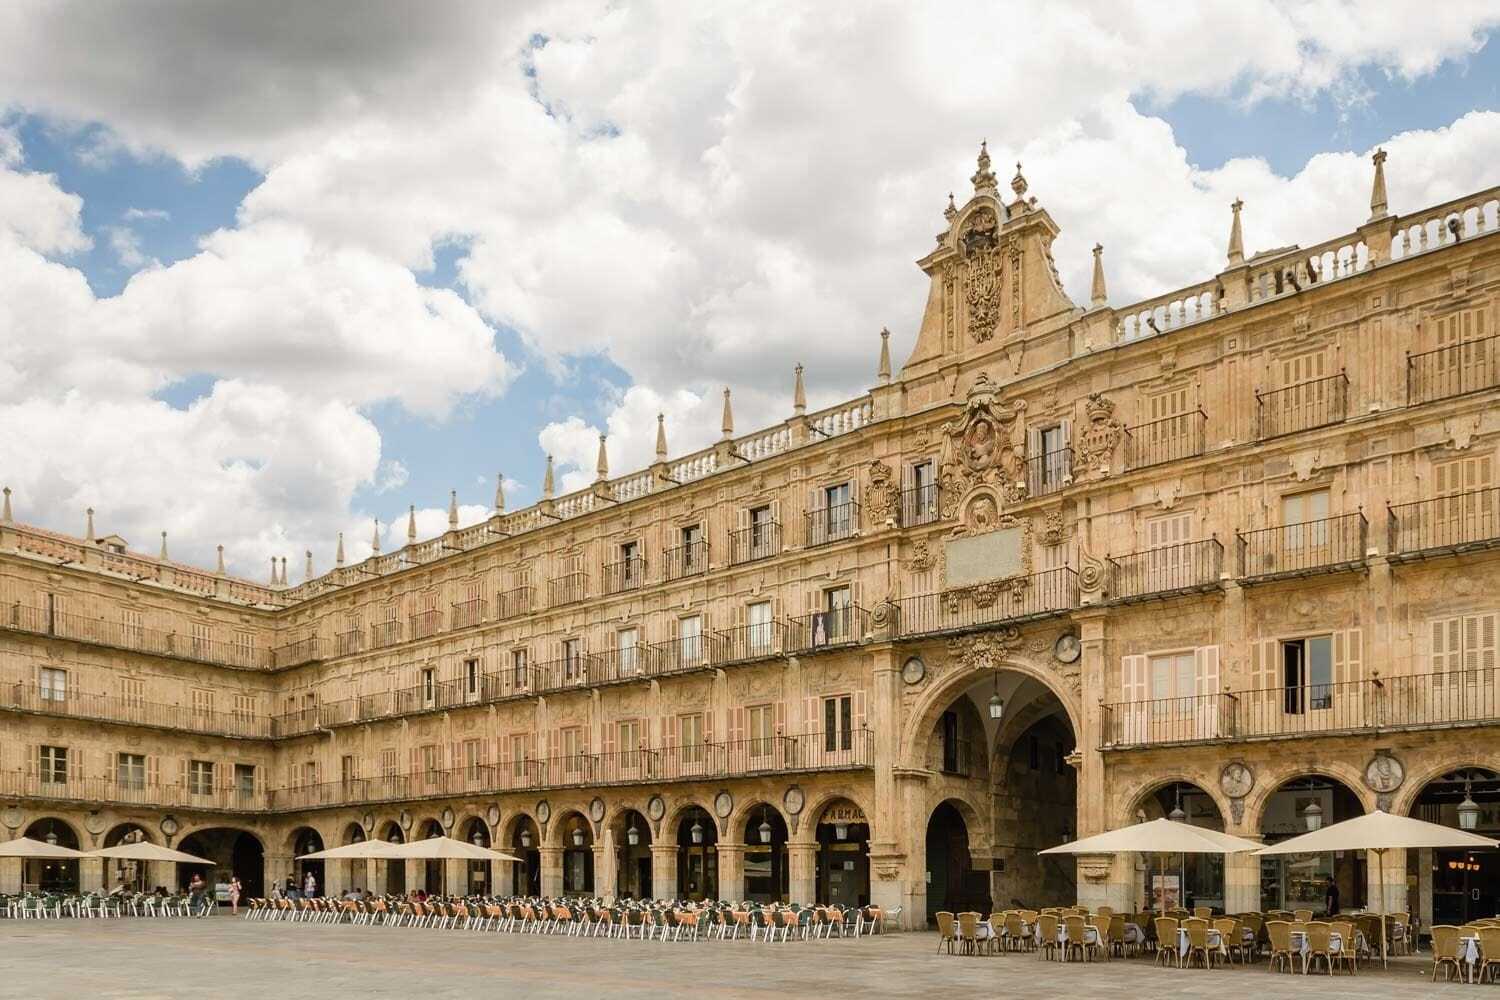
[(997, 703), (1313, 817), (633, 835), (577, 836), (765, 828), (840, 831), (697, 832), (1468, 809), (525, 838)]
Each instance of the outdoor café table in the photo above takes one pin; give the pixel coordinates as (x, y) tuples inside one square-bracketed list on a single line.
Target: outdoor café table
[(1214, 941), (1335, 943), (1134, 934), (1468, 951), (1090, 935)]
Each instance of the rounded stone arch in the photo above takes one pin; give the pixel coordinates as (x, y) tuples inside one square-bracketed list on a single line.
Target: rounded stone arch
[(1267, 785), (294, 840), (117, 833), (934, 701), (352, 832), (67, 834), (183, 834), (564, 820), (807, 820), (423, 828), (463, 828), (680, 808), (976, 819), (1411, 789), (511, 824), (386, 827), (744, 811), (1137, 796)]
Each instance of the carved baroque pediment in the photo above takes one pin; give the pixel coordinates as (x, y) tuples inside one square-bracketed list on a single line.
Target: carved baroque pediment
[(985, 445)]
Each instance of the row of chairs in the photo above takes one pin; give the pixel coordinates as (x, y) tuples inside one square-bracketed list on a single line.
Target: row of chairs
[(105, 907)]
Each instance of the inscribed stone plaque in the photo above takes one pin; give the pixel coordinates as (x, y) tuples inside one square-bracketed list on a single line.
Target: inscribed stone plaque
[(981, 558)]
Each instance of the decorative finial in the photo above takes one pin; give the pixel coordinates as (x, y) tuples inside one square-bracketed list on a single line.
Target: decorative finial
[(601, 464), (411, 524), (547, 481), (338, 556), (1377, 190), (375, 539), (88, 529), (984, 177), (1097, 295), (1236, 237), (728, 421), (661, 437), (1018, 183), (307, 571), (799, 394), (884, 371), (163, 556), (220, 567), (274, 578), (283, 571), (951, 210), (499, 492), (5, 510), (453, 510)]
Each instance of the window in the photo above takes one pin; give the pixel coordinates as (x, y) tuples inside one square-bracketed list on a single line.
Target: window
[(1035, 754), (762, 719), (952, 754), (200, 777), (833, 623), (429, 687), (1466, 508), (130, 770), (244, 779), (1307, 674), (310, 773), (840, 512), (348, 770), (838, 723), (1305, 518), (1174, 676), (1463, 647), (690, 640), (693, 550), (388, 762), (762, 532), (919, 504), (52, 765), (132, 692), (630, 741), (1051, 467), (244, 648), (203, 705), (134, 627), (518, 755), (690, 738), (244, 708), (626, 641), (201, 638), (471, 678), (1169, 559), (471, 759), (572, 657), (54, 684), (630, 565), (520, 672), (573, 749), (758, 635)]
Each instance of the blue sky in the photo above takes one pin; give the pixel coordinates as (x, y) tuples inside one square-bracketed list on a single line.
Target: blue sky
[(630, 217)]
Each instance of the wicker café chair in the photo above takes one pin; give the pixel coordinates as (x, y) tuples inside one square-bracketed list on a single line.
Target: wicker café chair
[(947, 928), (1445, 945), (968, 932), (1319, 945), (1166, 941), (1348, 953), (1279, 934), (1197, 935), (1203, 912), (1077, 942), (1046, 924), (1489, 948), (1302, 916), (1231, 938)]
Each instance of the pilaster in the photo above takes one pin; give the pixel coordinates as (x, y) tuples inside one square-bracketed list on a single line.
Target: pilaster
[(416, 875), (335, 878), (1242, 878), (1092, 818), (664, 871), (455, 877), (802, 871), (606, 868), (552, 871), (91, 874), (10, 875), (731, 871)]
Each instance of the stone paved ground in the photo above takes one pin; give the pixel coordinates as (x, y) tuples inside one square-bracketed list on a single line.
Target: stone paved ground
[(139, 959)]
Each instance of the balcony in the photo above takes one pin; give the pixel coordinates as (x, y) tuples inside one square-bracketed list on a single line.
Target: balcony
[(1463, 522), (468, 613), (831, 629), (568, 671), (349, 642), (686, 560), (513, 603), (386, 633), (138, 638), (1049, 472), (919, 505), (1170, 439), (1027, 598), (297, 721), (759, 541), (1328, 545), (31, 698), (294, 654), (426, 623), (1185, 568), (1302, 407), (126, 792), (832, 524), (688, 652), (1403, 702), (569, 588), (749, 643), (1451, 371), (627, 574)]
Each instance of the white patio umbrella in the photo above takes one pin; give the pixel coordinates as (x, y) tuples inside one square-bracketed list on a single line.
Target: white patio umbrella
[(447, 849), (147, 851), (353, 852), (1158, 836), (1378, 831), (25, 847)]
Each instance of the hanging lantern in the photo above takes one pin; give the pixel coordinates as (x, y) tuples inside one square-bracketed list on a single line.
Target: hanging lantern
[(577, 836), (997, 703), (633, 835), (1468, 810), (841, 831), (697, 832), (1177, 815), (525, 838), (52, 837), (1313, 817), (478, 839), (395, 837), (765, 829)]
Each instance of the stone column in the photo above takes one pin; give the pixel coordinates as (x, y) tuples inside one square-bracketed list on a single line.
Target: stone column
[(91, 874), (606, 868), (1394, 888), (886, 874), (376, 877), (1424, 886), (731, 871), (1092, 673), (456, 877), (416, 874), (802, 872), (552, 871), (277, 868), (664, 871), (10, 875), (335, 878), (912, 787), (1242, 878)]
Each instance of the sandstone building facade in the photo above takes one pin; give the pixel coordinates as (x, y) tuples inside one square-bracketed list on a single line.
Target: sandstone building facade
[(1227, 554)]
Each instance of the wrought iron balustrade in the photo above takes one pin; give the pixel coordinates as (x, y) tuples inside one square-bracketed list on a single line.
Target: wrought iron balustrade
[(1168, 439), (1453, 370), (627, 574), (1455, 523), (826, 525), (1049, 472), (690, 559), (1170, 569), (568, 588), (758, 541), (1040, 595), (1302, 407), (919, 505), (1326, 545), (845, 626)]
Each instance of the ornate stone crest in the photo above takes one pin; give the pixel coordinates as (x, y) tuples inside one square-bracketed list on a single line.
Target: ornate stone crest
[(1054, 528), (984, 650), (986, 445), (1097, 444), (980, 273), (883, 494), (922, 557)]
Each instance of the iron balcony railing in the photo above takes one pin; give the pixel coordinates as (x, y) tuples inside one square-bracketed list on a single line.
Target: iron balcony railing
[(832, 524), (1456, 523), (386, 633), (426, 623), (293, 654), (1403, 701), (845, 626), (759, 541), (688, 559), (1049, 472), (1161, 572), (1327, 545), (919, 505), (748, 643), (627, 574), (138, 638), (120, 790), (568, 588), (69, 703), (349, 642), (567, 671), (689, 652), (1040, 595), (1169, 439), (1453, 370), (1302, 407), (513, 603), (467, 613)]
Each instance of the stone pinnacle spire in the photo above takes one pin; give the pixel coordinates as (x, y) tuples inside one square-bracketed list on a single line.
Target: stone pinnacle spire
[(1097, 294), (163, 556), (375, 539), (547, 485), (411, 524), (338, 556), (1377, 189), (307, 572), (728, 422), (452, 510), (499, 493), (1236, 237), (984, 177), (884, 371), (661, 437), (952, 210), (601, 464), (274, 578), (283, 571), (219, 569), (88, 530), (799, 394), (5, 510)]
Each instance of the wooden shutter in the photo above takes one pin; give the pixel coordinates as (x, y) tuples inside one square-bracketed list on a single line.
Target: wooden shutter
[(1447, 645), (781, 729), (1348, 656), (737, 724), (810, 716), (859, 709), (1266, 676), (153, 770), (1206, 670), (608, 737), (1479, 642), (1133, 679)]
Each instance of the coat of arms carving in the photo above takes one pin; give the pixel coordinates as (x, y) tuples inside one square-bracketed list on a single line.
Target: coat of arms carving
[(981, 274), (1097, 443), (882, 495), (986, 445)]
